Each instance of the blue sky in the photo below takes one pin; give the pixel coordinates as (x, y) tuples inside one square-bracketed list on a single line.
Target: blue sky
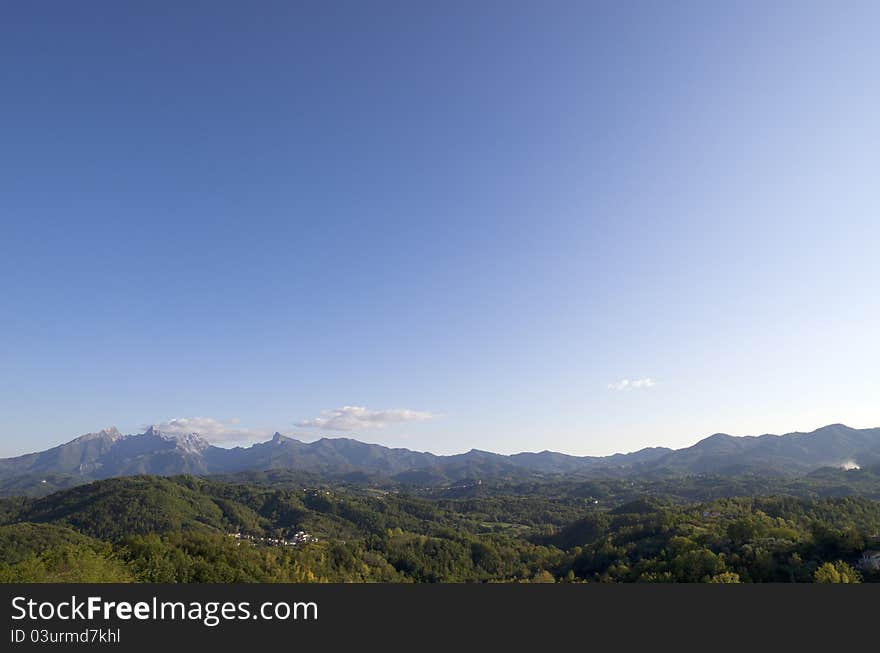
[(439, 225)]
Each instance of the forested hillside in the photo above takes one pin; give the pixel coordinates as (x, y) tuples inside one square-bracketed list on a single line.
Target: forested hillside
[(275, 529)]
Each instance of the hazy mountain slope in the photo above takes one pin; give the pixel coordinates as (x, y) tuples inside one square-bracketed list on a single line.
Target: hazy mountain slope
[(328, 455), (107, 454), (77, 456), (835, 445)]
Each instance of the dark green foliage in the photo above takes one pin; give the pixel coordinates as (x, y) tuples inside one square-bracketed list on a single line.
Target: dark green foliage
[(188, 529), (18, 541), (775, 539), (117, 507), (48, 553), (67, 564)]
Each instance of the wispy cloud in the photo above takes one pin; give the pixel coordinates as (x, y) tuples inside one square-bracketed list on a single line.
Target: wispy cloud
[(634, 384), (359, 418), (212, 430)]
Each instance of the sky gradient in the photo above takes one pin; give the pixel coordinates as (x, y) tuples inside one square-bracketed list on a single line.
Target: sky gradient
[(580, 226)]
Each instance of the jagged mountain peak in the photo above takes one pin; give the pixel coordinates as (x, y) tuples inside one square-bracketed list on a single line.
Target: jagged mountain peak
[(189, 442), (110, 433), (280, 438)]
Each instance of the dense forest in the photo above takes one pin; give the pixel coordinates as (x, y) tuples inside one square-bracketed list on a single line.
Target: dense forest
[(271, 528)]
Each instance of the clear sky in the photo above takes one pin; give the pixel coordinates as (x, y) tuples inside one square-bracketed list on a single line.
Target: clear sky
[(580, 226)]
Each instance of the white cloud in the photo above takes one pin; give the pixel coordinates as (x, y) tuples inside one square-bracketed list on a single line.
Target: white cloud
[(212, 430), (635, 384), (358, 418)]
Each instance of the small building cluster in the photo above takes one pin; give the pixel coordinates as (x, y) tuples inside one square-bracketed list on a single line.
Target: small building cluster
[(300, 537)]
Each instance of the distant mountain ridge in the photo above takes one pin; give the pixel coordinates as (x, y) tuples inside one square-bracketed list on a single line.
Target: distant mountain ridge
[(108, 453), (835, 445)]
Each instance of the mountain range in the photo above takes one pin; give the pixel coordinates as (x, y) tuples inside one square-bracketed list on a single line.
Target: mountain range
[(108, 453)]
